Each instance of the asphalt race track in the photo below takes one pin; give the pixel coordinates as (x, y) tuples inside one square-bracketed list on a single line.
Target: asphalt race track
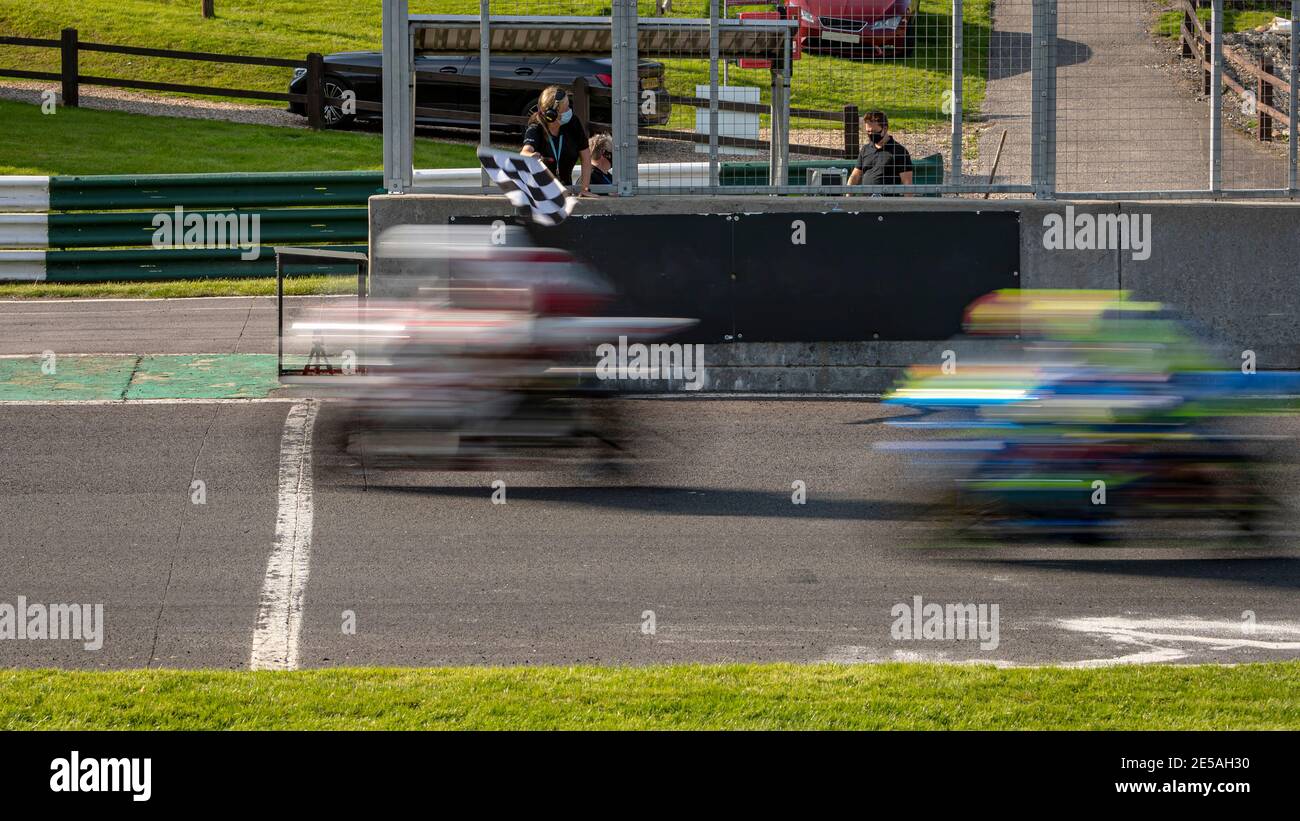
[(97, 508)]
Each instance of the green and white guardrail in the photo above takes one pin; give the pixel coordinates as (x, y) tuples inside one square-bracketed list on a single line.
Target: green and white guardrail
[(173, 226), (105, 228)]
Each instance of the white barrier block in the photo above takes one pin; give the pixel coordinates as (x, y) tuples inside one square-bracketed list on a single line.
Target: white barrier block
[(740, 124), (24, 193), (24, 231), (22, 266)]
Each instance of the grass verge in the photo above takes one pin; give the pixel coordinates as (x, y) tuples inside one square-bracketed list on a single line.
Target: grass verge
[(87, 141), (1233, 20), (234, 286), (748, 696)]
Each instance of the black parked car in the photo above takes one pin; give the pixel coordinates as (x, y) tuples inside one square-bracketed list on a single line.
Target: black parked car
[(451, 83)]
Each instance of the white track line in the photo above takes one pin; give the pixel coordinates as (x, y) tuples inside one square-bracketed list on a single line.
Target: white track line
[(35, 356), (279, 613), (62, 301), (251, 400)]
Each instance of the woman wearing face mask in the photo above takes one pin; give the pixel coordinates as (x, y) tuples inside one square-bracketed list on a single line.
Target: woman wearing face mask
[(558, 138)]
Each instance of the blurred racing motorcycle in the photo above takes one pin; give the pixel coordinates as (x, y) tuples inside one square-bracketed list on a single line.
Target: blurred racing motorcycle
[(1098, 412), (478, 360)]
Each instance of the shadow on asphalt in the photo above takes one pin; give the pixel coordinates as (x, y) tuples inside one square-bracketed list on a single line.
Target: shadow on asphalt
[(1275, 571), (1011, 53), (686, 501)]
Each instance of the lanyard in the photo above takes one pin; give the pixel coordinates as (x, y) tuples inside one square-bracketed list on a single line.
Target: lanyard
[(555, 152)]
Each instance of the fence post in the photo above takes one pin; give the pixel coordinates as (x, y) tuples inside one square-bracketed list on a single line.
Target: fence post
[(1216, 100), (1043, 105), (851, 140), (1293, 76), (1265, 96), (956, 102), (398, 97), (209, 9), (581, 101), (781, 175), (315, 91), (68, 49), (1207, 54), (485, 86), (1185, 39), (624, 104), (713, 95)]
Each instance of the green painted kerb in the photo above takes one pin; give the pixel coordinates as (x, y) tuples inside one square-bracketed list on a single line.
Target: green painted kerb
[(189, 376)]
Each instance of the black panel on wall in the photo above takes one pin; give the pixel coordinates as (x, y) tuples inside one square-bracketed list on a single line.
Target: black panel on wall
[(864, 276), (662, 265), (855, 276)]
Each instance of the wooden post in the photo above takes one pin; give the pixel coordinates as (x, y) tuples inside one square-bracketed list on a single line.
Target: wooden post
[(315, 91), (851, 134), (1189, 23), (581, 102), (209, 11), (1265, 98), (68, 48), (1207, 51)]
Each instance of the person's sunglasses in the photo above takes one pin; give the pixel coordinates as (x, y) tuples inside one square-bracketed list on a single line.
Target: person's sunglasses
[(607, 155)]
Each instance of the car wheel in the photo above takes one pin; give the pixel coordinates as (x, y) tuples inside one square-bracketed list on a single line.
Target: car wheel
[(528, 109), (333, 113)]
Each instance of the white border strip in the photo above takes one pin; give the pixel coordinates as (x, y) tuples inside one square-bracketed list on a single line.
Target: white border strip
[(219, 400), (24, 193), (279, 613), (24, 231), (22, 266), (59, 300)]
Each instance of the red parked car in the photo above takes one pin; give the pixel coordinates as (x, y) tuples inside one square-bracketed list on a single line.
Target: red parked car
[(879, 28)]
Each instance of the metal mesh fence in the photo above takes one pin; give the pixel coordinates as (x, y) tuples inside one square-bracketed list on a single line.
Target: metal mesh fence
[(1138, 109), (1255, 107), (976, 95), (1120, 125), (998, 93), (847, 59)]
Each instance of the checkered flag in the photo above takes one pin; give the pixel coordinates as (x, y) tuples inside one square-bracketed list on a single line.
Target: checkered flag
[(527, 181)]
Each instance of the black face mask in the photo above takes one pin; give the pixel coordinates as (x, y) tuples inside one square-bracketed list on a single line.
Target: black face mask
[(875, 136)]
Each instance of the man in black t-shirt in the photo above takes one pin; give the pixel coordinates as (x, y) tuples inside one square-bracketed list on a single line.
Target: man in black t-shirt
[(882, 160), (558, 138)]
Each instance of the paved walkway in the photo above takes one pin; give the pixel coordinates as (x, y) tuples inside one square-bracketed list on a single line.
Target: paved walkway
[(1126, 118)]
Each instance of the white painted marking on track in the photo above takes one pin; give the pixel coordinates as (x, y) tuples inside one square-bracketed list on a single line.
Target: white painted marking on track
[(279, 612), (1172, 639), (1150, 640)]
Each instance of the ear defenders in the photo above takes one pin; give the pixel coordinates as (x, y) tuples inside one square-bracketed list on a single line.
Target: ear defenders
[(553, 113)]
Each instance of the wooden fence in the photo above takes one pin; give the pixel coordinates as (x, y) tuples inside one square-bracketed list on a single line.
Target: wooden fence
[(314, 100), (1197, 42)]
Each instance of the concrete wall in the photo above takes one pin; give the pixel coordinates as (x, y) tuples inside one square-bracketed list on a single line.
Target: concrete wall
[(1231, 266)]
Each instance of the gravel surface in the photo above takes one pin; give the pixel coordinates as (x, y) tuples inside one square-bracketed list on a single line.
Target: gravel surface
[(1252, 44), (138, 102)]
